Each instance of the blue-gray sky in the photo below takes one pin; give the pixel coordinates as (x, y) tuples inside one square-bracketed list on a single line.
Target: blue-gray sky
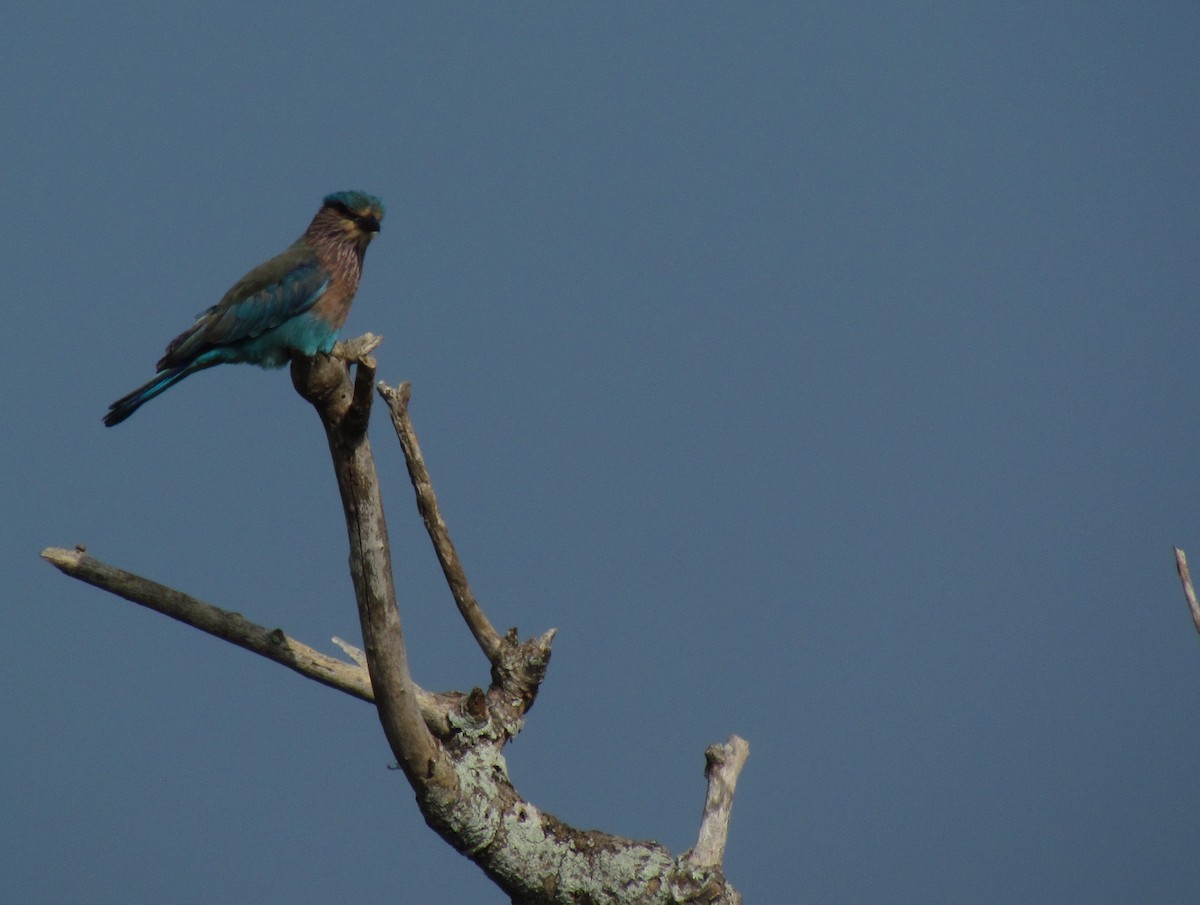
[(826, 373)]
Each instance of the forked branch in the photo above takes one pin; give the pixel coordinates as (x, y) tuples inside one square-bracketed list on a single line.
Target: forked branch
[(450, 746)]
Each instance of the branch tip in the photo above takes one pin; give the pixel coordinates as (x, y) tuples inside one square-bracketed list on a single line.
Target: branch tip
[(723, 764), (358, 350), (1185, 578), (399, 395), (63, 559)]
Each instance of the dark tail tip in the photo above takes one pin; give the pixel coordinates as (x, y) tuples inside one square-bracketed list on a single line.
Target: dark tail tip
[(124, 407), (127, 405), (116, 416)]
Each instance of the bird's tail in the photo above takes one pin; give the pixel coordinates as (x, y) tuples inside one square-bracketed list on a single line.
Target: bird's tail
[(163, 380)]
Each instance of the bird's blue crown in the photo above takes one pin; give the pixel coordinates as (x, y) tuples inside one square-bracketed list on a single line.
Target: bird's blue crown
[(358, 202)]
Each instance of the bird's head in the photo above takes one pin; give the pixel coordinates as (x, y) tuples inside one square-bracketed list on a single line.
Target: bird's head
[(356, 214)]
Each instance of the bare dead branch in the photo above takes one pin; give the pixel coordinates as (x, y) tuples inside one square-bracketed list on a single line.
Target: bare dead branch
[(723, 764), (344, 412), (274, 644), (1188, 591), (225, 624), (456, 577), (530, 854), (450, 746), (518, 668)]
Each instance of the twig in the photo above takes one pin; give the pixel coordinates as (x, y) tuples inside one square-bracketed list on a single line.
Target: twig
[(354, 653), (1188, 591), (723, 764), (456, 577)]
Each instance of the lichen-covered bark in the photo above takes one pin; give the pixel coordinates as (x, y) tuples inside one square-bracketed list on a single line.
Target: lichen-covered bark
[(539, 860)]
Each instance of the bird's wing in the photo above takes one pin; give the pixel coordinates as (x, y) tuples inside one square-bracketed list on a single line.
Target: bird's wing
[(273, 292)]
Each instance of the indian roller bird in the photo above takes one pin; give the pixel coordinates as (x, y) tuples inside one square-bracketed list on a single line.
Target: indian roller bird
[(293, 304)]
